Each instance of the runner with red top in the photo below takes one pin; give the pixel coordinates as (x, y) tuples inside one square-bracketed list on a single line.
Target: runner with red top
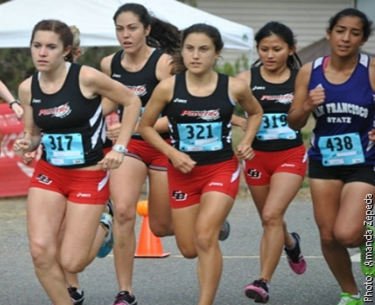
[(275, 174), (148, 45), (145, 59), (103, 242), (69, 187), (203, 172)]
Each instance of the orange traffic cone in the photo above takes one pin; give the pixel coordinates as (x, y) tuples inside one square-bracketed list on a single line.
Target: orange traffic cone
[(148, 244)]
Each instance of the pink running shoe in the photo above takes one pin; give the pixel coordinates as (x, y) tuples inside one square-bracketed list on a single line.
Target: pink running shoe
[(125, 298), (295, 258), (258, 291)]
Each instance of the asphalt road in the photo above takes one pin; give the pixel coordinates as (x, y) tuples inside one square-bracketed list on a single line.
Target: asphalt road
[(172, 280)]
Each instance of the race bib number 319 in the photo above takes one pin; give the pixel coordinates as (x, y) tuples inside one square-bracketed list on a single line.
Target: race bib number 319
[(275, 127)]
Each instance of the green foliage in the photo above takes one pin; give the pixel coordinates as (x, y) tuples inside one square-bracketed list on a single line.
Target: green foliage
[(92, 56), (226, 68), (305, 182), (15, 65), (241, 64)]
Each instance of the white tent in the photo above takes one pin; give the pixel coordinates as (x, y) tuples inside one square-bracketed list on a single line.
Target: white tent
[(94, 20)]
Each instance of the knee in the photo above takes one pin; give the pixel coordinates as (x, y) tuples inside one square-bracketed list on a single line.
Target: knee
[(188, 251), (124, 214), (272, 218), (327, 238), (347, 238), (204, 242), (161, 229), (43, 256), (73, 265)]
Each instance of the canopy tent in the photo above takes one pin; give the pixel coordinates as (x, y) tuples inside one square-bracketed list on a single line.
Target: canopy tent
[(94, 20)]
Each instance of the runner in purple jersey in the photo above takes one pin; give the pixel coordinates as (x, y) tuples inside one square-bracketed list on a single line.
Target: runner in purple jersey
[(339, 91)]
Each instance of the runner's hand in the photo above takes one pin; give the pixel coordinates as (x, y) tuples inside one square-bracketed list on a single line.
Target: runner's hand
[(17, 109), (315, 98), (21, 146), (244, 152), (112, 160), (113, 131), (182, 162), (29, 157)]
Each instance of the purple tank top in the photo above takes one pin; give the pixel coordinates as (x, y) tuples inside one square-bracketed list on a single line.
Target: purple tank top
[(344, 119)]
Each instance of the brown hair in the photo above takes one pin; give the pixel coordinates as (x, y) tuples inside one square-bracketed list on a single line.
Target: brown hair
[(61, 29), (203, 28)]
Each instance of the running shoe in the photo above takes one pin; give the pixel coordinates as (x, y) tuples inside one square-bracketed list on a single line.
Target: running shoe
[(124, 297), (295, 258), (258, 291), (108, 241), (367, 257), (224, 231), (77, 297), (347, 299)]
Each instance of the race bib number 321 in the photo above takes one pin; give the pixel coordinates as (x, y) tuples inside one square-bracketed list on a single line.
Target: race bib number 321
[(200, 136)]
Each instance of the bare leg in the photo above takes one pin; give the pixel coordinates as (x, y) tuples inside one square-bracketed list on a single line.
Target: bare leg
[(126, 184), (272, 202), (214, 209), (207, 218), (72, 278), (159, 209), (326, 195), (45, 214)]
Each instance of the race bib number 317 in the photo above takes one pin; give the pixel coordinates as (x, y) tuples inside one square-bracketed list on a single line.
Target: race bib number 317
[(64, 149)]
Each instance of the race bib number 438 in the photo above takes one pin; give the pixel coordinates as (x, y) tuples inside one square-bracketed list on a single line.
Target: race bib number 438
[(345, 149)]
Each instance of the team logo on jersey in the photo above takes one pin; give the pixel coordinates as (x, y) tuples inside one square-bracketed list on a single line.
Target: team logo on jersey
[(179, 196), (58, 112), (281, 98), (138, 90), (44, 179), (207, 115), (254, 173)]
